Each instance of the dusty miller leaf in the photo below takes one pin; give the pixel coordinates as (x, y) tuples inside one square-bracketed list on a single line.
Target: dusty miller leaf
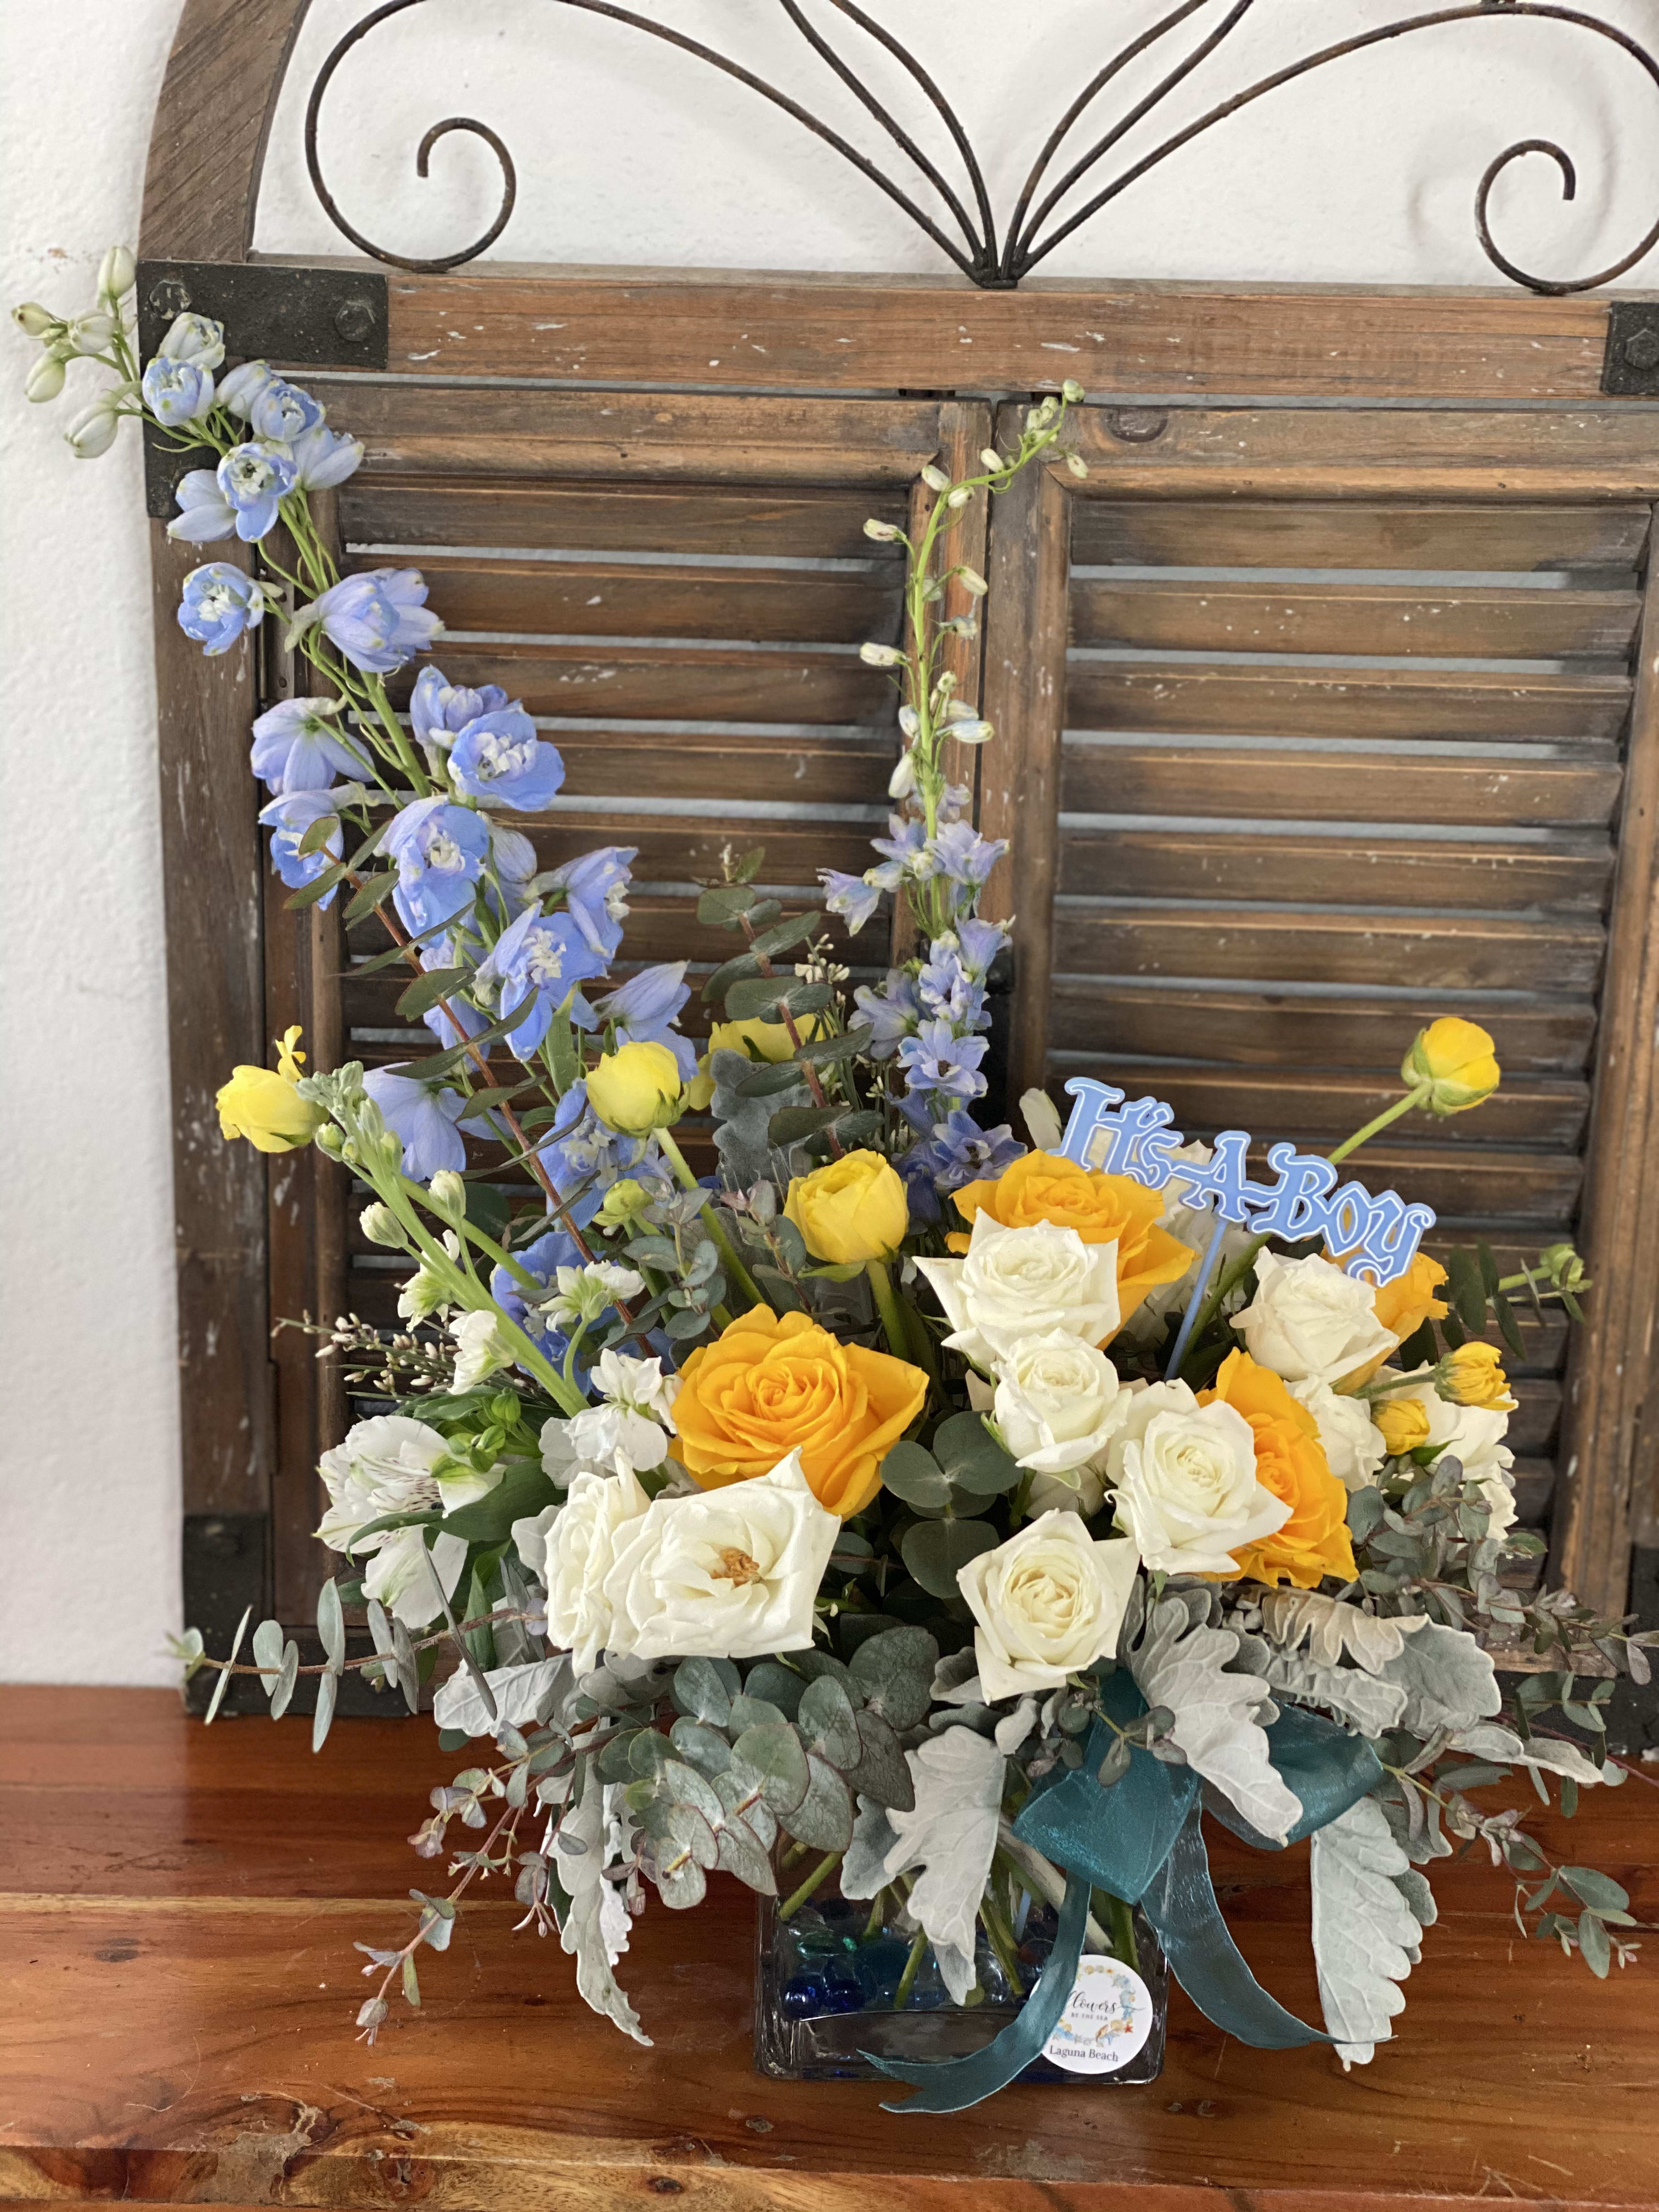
[(1373, 1706), (522, 1695), (1449, 1680), (1332, 1626), (1182, 1667), (582, 1872), (1365, 1935)]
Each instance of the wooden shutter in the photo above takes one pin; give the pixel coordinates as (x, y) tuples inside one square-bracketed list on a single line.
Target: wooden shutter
[(1321, 722)]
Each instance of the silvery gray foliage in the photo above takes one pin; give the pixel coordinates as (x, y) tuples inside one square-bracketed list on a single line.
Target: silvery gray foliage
[(525, 1695), (578, 1850), (1449, 1680), (1366, 1935), (1371, 1705), (1216, 1714), (1333, 1628), (741, 1124)]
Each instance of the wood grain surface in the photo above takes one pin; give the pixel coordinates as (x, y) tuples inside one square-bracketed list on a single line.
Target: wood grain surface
[(177, 1985)]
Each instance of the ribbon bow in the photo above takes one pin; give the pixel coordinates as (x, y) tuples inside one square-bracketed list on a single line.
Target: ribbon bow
[(1140, 1840)]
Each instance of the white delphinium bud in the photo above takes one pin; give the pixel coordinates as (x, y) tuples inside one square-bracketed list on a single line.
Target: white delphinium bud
[(92, 332), (92, 431), (381, 1226), (935, 478), (1072, 391), (960, 496), (990, 458), (37, 322), (972, 582), (883, 533), (1076, 464), (909, 723), (970, 731), (46, 378), (118, 272), (880, 656), (902, 781), (448, 1194)]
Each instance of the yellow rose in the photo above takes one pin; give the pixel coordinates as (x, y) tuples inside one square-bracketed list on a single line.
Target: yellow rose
[(636, 1089), (1454, 1061), (1402, 1307), (767, 1041), (1404, 1423), (1291, 1461), (773, 1384), (1102, 1208), (1473, 1376), (264, 1104), (852, 1210)]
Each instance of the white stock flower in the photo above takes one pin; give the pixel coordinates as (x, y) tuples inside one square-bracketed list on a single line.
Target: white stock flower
[(480, 1346), (1057, 1403), (1047, 1603), (627, 1430), (1309, 1321), (583, 1293), (395, 1465), (638, 1385), (1184, 1482), (729, 1574), (581, 1547), (1351, 1440), (1015, 1282)]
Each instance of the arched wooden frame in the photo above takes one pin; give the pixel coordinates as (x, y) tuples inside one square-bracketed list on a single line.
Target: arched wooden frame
[(818, 335)]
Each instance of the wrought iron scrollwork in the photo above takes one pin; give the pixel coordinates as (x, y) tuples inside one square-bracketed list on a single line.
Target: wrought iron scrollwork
[(963, 224)]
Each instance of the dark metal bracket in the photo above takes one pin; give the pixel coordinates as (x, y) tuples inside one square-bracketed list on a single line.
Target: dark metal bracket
[(1630, 370), (281, 312)]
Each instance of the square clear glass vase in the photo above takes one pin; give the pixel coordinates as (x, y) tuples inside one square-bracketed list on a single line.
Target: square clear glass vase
[(828, 1987)]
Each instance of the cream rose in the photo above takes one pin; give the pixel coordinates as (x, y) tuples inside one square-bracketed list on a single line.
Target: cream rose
[(1184, 1483), (728, 1574), (581, 1547), (1017, 1283), (1047, 1603), (1353, 1442), (1309, 1321), (1057, 1403)]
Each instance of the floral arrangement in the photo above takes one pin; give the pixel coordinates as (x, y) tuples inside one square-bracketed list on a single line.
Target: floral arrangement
[(896, 1508)]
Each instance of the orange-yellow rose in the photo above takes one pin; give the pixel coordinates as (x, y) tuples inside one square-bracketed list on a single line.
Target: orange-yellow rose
[(773, 1384), (1049, 1187), (1291, 1461), (1402, 1307)]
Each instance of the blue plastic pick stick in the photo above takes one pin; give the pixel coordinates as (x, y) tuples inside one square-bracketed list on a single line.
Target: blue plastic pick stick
[(1196, 1300)]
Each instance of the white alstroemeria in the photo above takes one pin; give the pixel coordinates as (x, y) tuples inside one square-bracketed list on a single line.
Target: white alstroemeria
[(638, 1385), (729, 1574), (583, 1293), (1046, 1604), (1183, 1481), (1351, 1440), (391, 1465), (581, 1548), (1017, 1283), (1310, 1323), (481, 1346)]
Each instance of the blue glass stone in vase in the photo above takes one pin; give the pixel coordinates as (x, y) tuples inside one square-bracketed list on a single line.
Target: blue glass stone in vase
[(832, 1982)]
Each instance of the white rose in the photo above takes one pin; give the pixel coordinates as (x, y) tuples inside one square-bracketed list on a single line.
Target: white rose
[(1058, 1402), (530, 1539), (1015, 1282), (729, 1574), (1310, 1323), (1047, 1603), (1080, 1490), (581, 1548), (1475, 1435), (1351, 1440), (1184, 1482)]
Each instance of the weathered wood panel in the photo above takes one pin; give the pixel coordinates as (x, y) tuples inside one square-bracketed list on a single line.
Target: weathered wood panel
[(674, 682), (1312, 533)]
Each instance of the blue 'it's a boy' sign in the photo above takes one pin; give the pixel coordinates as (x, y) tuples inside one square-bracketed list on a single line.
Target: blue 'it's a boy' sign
[(1376, 1235)]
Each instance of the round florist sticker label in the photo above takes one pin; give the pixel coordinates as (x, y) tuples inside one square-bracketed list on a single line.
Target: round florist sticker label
[(1107, 2017)]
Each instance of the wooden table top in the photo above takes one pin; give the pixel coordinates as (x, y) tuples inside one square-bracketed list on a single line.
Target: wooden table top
[(177, 1988)]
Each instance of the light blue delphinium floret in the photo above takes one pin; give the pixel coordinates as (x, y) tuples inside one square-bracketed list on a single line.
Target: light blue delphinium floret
[(423, 1116), (499, 758), (324, 458), (281, 410), (254, 479), (595, 889), (439, 849), (177, 391), (204, 512), (378, 618), (218, 602), (936, 1061), (240, 386), (534, 965), (194, 338), (288, 818), (299, 745), (893, 1013), (440, 710), (850, 896), (644, 1009)]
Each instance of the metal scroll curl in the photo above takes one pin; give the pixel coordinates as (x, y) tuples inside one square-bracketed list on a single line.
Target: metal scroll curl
[(959, 218)]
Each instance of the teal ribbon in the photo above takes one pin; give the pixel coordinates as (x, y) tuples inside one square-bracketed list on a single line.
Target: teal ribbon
[(1141, 1839), (950, 2085)]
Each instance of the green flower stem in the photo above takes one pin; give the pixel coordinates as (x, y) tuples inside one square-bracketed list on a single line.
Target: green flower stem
[(820, 1873), (1000, 1937), (888, 1306), (1122, 1923), (906, 1980), (502, 1258), (878, 1914), (1389, 1113), (734, 1266)]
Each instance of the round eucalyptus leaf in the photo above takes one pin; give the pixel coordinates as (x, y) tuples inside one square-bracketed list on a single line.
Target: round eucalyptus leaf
[(915, 1478), (935, 1552)]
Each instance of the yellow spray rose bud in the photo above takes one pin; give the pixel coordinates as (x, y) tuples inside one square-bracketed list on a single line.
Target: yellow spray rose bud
[(636, 1089), (760, 1040), (851, 1211), (264, 1104), (1453, 1061), (1404, 1423), (623, 1203), (1473, 1376)]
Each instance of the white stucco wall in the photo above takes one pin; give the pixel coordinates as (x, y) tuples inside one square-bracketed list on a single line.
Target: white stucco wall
[(626, 153)]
